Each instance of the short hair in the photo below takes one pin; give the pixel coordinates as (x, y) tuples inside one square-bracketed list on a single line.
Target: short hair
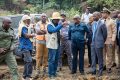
[(63, 14), (43, 14), (7, 19), (97, 13)]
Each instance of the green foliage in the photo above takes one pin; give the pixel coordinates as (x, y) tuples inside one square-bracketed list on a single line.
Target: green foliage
[(99, 4), (70, 6), (51, 4), (72, 12), (1, 3)]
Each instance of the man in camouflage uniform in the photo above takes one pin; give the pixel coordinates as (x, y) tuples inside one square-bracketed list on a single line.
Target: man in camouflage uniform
[(6, 54)]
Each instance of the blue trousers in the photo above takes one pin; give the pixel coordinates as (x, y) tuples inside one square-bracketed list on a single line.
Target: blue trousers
[(99, 52), (27, 63), (78, 47), (53, 56)]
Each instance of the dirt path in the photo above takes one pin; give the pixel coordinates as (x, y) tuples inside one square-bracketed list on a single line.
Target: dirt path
[(65, 74)]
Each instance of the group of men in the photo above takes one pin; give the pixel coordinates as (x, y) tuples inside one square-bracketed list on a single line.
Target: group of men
[(57, 36), (101, 40)]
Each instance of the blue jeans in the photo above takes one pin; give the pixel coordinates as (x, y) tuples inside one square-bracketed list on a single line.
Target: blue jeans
[(27, 63), (52, 61)]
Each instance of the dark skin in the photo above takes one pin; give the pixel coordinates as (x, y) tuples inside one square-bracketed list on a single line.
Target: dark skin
[(87, 11), (105, 15), (114, 14), (96, 16), (42, 32), (64, 18), (6, 25), (27, 22), (56, 21), (76, 20), (44, 18)]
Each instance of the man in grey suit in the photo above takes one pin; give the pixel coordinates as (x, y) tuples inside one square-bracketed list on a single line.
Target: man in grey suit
[(98, 40)]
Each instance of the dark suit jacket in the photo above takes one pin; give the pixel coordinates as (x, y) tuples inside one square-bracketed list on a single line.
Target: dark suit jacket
[(118, 33), (89, 35), (100, 35)]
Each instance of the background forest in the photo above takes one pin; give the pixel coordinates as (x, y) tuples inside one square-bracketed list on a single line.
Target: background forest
[(69, 6)]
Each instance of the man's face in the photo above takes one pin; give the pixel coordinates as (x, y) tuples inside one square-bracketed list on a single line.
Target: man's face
[(7, 24), (95, 17), (87, 11), (114, 14), (44, 19), (56, 21), (63, 18), (27, 21), (76, 20), (104, 15)]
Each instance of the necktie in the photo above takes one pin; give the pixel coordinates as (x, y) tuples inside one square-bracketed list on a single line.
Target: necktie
[(94, 29)]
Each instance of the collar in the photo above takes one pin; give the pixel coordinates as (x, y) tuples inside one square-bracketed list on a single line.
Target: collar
[(4, 29), (108, 18), (97, 21), (87, 14), (44, 23), (77, 24)]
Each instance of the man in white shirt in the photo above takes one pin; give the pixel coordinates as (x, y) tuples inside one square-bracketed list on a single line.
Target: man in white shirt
[(85, 17)]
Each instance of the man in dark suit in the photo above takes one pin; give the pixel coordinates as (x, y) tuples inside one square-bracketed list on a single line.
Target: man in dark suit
[(98, 39), (118, 40)]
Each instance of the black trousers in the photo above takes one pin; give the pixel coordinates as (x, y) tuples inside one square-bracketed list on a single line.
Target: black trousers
[(89, 53)]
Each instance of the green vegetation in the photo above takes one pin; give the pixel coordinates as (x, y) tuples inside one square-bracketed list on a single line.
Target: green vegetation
[(69, 6)]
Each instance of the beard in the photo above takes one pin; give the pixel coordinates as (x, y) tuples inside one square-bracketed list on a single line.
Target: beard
[(43, 21)]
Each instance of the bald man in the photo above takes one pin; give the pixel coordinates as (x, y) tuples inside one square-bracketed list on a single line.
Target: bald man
[(98, 39), (6, 40)]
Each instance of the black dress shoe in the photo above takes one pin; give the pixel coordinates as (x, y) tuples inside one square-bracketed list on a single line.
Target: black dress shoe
[(109, 70), (104, 68), (117, 67), (93, 73), (73, 72), (2, 76), (82, 73), (90, 72), (114, 65), (100, 74), (89, 65)]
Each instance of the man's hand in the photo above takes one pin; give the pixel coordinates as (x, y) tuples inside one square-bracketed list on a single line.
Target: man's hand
[(113, 43), (65, 23), (2, 50), (44, 31)]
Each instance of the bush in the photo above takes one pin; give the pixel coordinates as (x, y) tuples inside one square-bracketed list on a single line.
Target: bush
[(72, 12)]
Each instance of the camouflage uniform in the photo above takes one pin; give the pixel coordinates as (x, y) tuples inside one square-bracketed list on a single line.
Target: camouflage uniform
[(6, 39), (65, 47)]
